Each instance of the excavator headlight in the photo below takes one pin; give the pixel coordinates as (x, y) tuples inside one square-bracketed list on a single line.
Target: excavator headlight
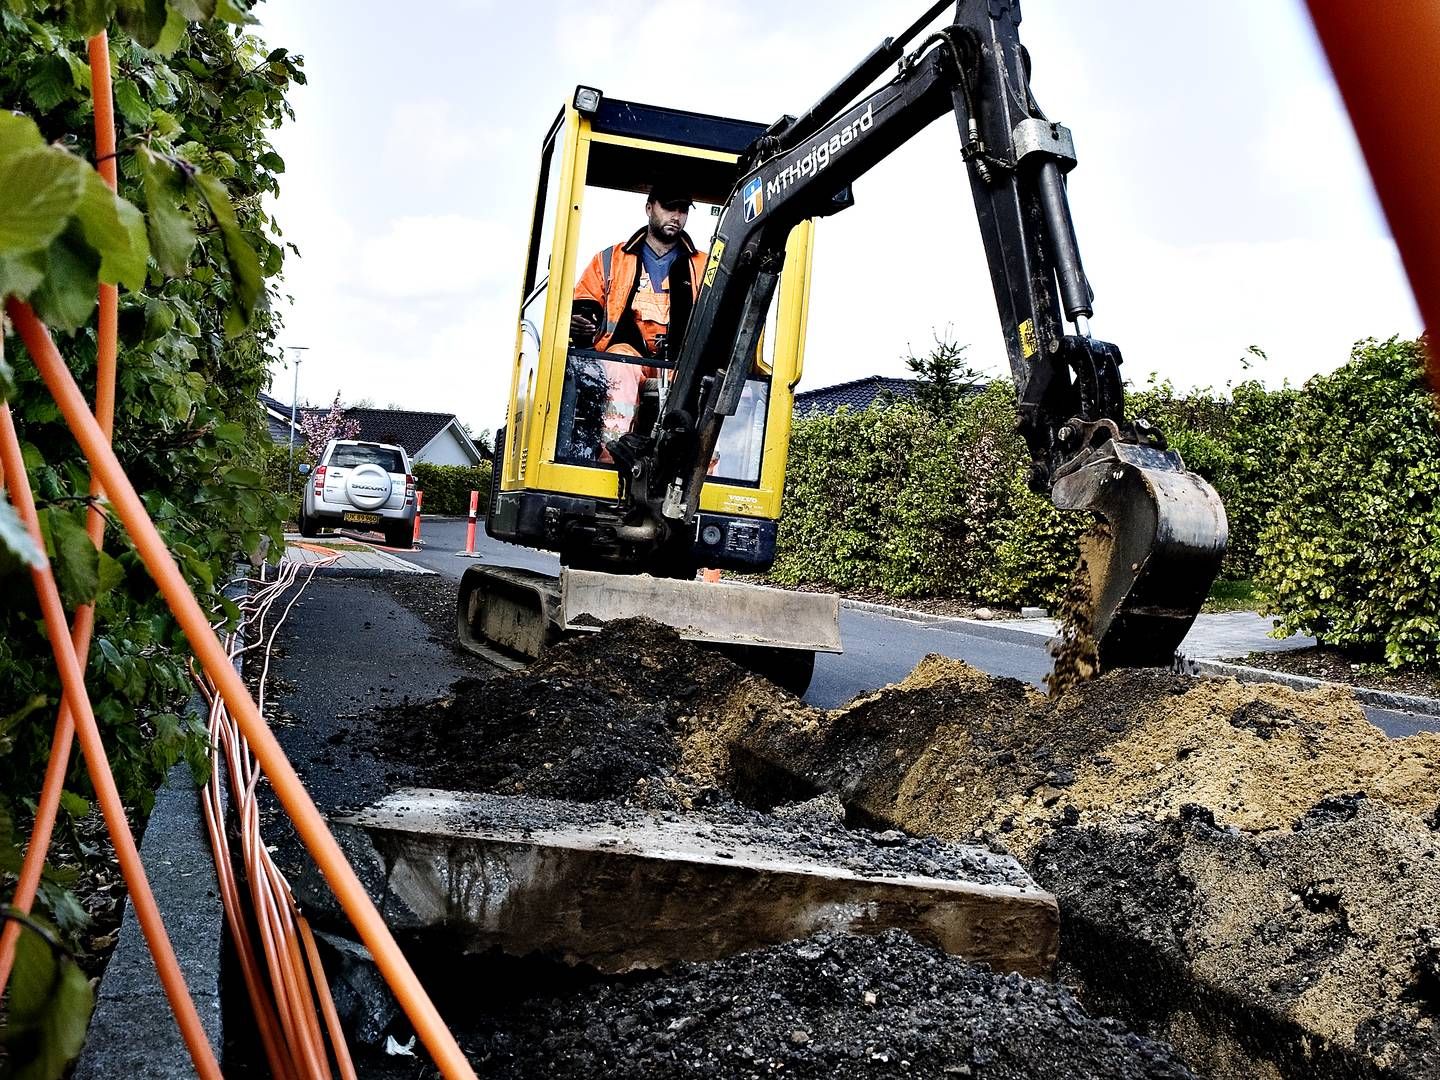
[(587, 100)]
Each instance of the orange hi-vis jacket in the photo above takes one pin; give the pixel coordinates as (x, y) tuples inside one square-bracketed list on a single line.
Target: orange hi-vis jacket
[(612, 279)]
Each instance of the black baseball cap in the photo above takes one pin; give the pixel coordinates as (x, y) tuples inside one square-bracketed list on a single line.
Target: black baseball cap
[(670, 195)]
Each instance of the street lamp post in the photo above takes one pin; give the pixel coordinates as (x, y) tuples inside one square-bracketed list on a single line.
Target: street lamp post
[(294, 397)]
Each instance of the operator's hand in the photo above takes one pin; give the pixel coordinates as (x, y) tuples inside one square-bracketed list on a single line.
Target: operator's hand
[(583, 328)]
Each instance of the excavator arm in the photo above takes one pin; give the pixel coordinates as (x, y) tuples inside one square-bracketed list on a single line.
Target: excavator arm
[(1162, 529)]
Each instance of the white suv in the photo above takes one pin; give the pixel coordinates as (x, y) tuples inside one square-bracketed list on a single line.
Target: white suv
[(364, 484)]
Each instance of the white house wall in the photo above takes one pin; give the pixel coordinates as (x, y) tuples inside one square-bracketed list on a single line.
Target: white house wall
[(445, 449)]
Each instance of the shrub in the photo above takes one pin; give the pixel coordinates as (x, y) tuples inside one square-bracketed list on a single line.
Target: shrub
[(1353, 555), (1237, 443), (898, 499), (447, 487)]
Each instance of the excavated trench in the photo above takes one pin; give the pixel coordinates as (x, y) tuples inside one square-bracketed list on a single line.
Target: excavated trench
[(1245, 874)]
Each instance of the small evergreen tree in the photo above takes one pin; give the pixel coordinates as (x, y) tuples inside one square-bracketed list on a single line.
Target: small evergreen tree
[(943, 378)]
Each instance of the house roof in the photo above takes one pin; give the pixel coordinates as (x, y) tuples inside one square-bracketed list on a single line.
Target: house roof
[(857, 393), (411, 429)]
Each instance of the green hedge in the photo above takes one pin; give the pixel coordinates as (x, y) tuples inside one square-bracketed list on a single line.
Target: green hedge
[(897, 499), (447, 487), (1332, 491), (1353, 555), (1238, 443)]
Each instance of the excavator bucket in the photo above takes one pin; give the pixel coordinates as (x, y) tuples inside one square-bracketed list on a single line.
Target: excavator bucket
[(1154, 554)]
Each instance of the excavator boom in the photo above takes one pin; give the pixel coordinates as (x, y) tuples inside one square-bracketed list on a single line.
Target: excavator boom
[(1162, 530)]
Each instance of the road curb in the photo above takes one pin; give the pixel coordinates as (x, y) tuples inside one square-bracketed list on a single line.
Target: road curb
[(1378, 699), (132, 1030), (997, 630), (907, 614)]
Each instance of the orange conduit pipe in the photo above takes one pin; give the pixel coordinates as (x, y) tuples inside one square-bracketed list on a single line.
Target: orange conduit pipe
[(1386, 62), (294, 1043), (355, 902), (73, 681), (47, 809)]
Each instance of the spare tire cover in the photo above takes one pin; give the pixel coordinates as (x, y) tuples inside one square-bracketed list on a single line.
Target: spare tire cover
[(368, 487)]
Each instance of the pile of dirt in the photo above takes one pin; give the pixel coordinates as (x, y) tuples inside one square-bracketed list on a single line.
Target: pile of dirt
[(593, 719), (1273, 929), (1318, 948), (953, 752), (831, 1005)]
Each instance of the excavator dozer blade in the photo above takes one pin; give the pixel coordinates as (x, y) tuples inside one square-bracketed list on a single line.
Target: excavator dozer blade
[(1153, 556), (722, 613), (510, 615)]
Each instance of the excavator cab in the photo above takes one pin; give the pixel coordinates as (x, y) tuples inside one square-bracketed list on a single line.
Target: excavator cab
[(556, 484), (555, 478)]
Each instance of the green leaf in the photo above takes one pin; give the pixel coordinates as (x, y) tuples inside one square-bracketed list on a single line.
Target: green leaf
[(77, 562), (79, 71), (131, 104), (116, 230), (173, 35), (247, 282), (15, 538), (20, 275), (159, 318), (108, 651), (49, 83), (172, 233), (9, 723), (42, 189), (74, 805), (50, 1005), (239, 477), (111, 573), (18, 133), (195, 10), (232, 11), (144, 20), (90, 16), (72, 276)]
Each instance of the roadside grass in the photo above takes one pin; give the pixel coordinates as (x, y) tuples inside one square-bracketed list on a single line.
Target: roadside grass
[(1236, 595)]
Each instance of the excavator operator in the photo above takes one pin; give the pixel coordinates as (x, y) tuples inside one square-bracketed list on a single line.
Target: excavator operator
[(635, 296)]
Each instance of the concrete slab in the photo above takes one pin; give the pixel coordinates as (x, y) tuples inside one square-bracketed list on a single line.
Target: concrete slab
[(623, 889)]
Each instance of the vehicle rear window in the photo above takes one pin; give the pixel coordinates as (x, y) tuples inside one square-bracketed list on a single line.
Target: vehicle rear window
[(348, 457)]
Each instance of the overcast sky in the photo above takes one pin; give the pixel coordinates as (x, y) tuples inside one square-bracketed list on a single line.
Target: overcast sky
[(1220, 200)]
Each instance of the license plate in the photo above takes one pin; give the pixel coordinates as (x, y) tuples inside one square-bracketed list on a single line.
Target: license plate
[(361, 519)]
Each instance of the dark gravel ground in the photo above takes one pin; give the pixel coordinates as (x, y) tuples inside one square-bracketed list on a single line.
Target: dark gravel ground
[(1333, 665), (370, 689), (594, 719), (829, 1006)]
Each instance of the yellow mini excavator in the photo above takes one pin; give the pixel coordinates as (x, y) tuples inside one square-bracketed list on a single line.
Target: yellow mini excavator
[(696, 479)]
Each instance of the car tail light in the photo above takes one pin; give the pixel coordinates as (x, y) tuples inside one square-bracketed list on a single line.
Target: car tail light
[(320, 480), (409, 488)]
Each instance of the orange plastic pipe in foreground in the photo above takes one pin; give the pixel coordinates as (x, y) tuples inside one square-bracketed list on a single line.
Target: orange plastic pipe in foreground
[(1386, 61), (287, 786), (48, 806), (73, 681)]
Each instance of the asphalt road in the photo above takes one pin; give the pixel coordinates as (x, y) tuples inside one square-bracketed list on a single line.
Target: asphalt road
[(879, 649)]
